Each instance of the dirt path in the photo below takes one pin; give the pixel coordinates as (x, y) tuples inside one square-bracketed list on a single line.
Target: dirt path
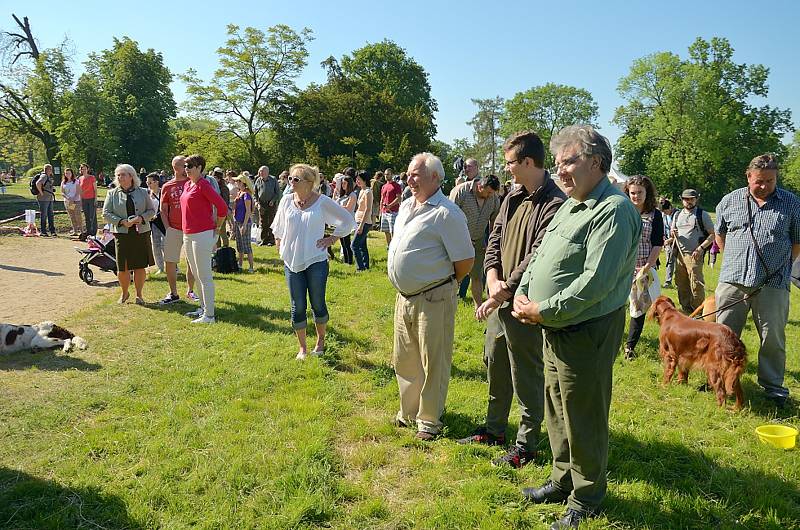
[(39, 280)]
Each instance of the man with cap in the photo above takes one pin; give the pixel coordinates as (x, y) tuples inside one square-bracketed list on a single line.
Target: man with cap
[(693, 235), (267, 197)]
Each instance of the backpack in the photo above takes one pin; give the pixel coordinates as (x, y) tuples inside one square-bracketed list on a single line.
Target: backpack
[(698, 219), (224, 260), (33, 188)]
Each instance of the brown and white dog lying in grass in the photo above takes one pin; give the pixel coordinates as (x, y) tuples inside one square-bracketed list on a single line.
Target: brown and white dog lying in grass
[(42, 336), (685, 343)]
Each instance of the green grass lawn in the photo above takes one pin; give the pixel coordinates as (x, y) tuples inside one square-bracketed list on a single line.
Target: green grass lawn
[(164, 425)]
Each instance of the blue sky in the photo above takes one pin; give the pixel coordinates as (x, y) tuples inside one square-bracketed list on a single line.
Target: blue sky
[(470, 49)]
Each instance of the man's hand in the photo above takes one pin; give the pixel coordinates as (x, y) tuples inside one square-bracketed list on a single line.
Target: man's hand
[(525, 310), (697, 255), (486, 308), (496, 287)]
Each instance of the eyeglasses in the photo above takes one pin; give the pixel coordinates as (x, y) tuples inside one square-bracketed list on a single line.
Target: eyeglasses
[(568, 162), (510, 163)]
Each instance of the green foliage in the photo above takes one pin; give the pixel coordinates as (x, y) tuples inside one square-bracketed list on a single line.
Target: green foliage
[(256, 75), (375, 110), (692, 122), (546, 110), (790, 172), (486, 133)]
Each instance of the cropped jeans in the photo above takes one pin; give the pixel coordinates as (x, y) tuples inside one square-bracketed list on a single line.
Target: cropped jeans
[(312, 283)]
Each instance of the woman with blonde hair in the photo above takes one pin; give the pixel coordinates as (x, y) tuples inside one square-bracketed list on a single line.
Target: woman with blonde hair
[(71, 192), (129, 210), (243, 218), (299, 229)]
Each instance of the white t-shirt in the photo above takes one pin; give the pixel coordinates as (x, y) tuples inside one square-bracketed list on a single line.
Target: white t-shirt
[(299, 230)]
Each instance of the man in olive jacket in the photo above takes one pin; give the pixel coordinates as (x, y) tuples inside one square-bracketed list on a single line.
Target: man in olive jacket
[(513, 350)]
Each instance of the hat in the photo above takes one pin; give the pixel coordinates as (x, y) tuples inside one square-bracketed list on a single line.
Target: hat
[(689, 194), (246, 179), (218, 170)]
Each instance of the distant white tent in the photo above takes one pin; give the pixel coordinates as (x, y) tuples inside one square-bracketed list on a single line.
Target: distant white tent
[(617, 176)]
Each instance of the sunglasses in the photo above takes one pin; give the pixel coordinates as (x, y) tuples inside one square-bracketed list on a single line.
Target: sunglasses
[(295, 180), (188, 166)]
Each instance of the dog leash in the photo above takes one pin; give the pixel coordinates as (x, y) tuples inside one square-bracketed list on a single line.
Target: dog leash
[(761, 258)]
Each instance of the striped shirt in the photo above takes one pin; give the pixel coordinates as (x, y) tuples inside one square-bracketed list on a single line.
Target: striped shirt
[(776, 227), (478, 216)]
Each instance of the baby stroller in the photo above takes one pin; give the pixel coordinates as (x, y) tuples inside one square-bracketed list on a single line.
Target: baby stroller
[(99, 254)]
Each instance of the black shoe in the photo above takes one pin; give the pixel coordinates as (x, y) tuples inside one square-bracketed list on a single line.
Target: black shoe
[(547, 492), (571, 519), (630, 354), (516, 457), (778, 401), (482, 436)]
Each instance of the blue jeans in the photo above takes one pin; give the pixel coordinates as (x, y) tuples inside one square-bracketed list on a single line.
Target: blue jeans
[(90, 214), (360, 249), (47, 216), (312, 281)]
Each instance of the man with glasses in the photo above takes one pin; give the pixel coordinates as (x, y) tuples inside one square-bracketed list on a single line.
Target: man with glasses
[(512, 349), (576, 287), (693, 232)]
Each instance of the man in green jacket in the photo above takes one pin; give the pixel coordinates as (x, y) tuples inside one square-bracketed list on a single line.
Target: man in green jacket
[(577, 286)]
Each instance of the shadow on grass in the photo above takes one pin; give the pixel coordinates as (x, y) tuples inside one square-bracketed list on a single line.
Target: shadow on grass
[(730, 494), (472, 372), (30, 502), (49, 360)]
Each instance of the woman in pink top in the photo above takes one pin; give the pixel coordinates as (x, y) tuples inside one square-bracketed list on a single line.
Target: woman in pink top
[(199, 233)]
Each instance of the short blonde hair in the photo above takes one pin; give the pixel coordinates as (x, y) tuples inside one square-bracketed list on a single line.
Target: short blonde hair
[(307, 173), (127, 168)]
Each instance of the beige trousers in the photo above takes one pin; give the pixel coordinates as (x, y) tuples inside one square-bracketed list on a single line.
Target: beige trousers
[(689, 281), (423, 353)]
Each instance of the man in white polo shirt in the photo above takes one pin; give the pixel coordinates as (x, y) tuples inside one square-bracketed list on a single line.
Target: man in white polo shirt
[(429, 254)]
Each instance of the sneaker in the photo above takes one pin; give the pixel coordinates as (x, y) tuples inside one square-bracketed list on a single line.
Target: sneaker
[(630, 354), (516, 457), (204, 320), (191, 296), (250, 270), (482, 436), (301, 356), (197, 313), (169, 299)]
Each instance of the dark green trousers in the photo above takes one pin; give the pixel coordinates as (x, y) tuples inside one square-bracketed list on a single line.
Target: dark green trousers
[(513, 356), (578, 365)]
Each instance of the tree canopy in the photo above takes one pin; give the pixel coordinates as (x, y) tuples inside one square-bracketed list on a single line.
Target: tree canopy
[(694, 122)]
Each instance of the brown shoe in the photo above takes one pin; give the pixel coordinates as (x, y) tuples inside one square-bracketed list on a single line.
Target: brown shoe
[(426, 436)]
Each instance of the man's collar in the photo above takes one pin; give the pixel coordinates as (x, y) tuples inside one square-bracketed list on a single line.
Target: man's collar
[(597, 193), (433, 200)]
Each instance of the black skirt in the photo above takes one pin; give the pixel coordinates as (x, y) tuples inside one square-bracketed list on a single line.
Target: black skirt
[(134, 251)]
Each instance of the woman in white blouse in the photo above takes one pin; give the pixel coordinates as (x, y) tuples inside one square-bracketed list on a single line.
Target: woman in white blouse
[(71, 192), (299, 229)]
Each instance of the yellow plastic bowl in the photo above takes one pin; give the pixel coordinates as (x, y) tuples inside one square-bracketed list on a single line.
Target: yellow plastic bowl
[(781, 436)]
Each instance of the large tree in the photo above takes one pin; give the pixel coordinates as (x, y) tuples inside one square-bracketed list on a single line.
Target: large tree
[(486, 131), (33, 87), (546, 110), (790, 171), (256, 74), (695, 122)]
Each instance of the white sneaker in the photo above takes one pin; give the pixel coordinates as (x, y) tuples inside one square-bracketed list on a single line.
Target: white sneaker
[(204, 320), (196, 313), (301, 356)]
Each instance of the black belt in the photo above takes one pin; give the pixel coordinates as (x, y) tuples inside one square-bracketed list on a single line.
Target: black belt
[(431, 288)]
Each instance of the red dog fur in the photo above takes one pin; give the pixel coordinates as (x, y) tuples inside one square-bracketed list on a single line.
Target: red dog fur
[(685, 343)]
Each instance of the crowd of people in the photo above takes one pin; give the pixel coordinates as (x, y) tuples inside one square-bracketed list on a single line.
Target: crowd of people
[(561, 258)]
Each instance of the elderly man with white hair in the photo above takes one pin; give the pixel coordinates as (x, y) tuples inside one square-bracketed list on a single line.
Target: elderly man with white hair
[(430, 253), (268, 194)]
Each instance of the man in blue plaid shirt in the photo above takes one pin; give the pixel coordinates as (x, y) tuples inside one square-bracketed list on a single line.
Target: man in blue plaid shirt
[(758, 228)]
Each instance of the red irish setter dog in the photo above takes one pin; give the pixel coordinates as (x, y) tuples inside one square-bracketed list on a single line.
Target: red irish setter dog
[(685, 343)]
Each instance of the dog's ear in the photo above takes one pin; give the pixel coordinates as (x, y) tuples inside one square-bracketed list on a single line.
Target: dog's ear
[(652, 313), (59, 333)]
